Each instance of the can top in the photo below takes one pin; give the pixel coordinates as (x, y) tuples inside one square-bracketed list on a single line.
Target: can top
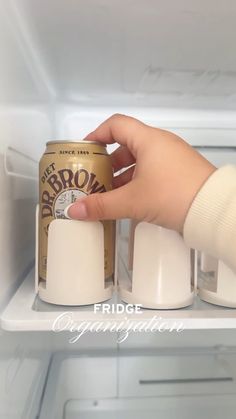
[(74, 142)]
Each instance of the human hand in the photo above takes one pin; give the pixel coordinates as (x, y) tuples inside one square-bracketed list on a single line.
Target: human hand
[(165, 175)]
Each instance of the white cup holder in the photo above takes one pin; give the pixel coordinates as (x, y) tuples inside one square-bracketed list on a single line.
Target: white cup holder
[(161, 277), (75, 264), (217, 282), (161, 268)]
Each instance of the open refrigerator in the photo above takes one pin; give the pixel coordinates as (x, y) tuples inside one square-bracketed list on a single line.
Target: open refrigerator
[(65, 67)]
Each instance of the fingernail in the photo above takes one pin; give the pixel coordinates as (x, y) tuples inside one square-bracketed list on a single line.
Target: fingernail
[(77, 211), (66, 211)]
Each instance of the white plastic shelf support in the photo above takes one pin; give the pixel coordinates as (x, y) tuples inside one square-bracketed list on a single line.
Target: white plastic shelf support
[(25, 312)]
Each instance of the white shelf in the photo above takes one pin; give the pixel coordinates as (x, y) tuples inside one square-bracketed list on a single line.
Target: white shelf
[(26, 312), (135, 386)]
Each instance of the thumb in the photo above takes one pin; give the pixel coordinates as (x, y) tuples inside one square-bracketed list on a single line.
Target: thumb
[(103, 206)]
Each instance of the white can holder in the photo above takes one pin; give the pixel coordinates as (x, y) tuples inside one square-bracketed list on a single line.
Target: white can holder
[(75, 264), (161, 277), (219, 289)]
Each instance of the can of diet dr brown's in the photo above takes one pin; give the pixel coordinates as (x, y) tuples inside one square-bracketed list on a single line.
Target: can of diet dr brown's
[(69, 170)]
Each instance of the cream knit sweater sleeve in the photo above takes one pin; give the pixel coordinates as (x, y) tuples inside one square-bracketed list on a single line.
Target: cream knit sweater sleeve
[(210, 224)]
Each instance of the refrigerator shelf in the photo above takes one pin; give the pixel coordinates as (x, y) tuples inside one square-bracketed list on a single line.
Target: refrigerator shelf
[(134, 385), (137, 408), (26, 312)]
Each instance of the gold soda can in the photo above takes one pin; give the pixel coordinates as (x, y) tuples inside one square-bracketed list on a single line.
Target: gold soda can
[(69, 170)]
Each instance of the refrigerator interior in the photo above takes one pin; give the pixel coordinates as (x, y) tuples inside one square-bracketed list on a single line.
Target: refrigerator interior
[(65, 67)]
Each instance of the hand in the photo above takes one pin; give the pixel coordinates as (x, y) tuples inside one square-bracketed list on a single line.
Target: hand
[(165, 175)]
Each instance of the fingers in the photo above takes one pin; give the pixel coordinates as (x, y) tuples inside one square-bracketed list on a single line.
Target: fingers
[(103, 206), (123, 178), (121, 129), (121, 158)]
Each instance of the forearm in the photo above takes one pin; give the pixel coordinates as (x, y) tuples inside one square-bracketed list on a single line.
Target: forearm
[(210, 225)]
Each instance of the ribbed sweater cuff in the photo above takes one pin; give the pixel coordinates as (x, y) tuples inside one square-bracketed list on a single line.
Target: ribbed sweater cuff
[(210, 224)]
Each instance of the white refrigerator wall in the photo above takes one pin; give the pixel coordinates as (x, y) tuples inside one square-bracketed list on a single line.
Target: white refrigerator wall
[(25, 122), (175, 54)]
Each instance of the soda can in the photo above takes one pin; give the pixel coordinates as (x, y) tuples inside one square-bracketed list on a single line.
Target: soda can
[(69, 170)]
